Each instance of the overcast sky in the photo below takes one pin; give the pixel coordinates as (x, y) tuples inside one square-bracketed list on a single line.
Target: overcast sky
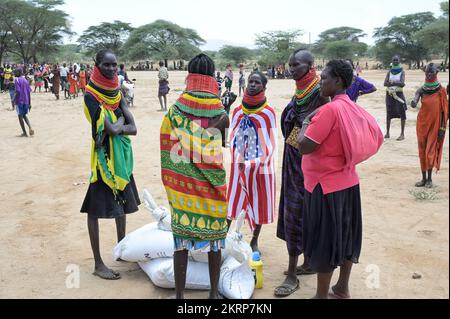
[(237, 21)]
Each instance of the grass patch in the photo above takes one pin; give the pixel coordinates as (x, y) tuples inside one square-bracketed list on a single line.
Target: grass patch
[(424, 194)]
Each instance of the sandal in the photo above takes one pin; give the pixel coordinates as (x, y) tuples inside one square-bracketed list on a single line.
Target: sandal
[(302, 271), (285, 289)]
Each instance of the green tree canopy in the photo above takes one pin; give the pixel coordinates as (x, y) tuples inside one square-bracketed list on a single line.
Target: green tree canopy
[(236, 54), (400, 34), (5, 39), (107, 35), (342, 33), (435, 35), (340, 43), (444, 8), (277, 46), (35, 27), (163, 40)]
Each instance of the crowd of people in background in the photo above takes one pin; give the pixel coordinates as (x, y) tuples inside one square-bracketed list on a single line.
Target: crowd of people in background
[(48, 78)]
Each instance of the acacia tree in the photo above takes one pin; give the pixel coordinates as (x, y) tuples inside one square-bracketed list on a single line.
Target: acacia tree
[(163, 40), (35, 27), (435, 35), (277, 46), (400, 34), (5, 39), (342, 42), (107, 35), (235, 54)]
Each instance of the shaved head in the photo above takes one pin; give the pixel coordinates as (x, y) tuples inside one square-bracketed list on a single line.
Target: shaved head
[(304, 56), (432, 68)]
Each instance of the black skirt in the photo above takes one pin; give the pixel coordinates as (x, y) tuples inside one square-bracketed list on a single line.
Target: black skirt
[(101, 203), (332, 228), (163, 88), (396, 109)]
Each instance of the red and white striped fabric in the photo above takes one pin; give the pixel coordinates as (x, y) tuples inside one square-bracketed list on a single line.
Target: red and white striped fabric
[(252, 179)]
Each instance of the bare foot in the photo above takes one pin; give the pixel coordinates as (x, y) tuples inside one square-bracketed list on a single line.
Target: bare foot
[(335, 293), (106, 273), (22, 135), (31, 132), (401, 138)]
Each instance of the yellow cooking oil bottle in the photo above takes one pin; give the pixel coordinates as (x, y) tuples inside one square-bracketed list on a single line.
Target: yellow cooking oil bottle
[(256, 265)]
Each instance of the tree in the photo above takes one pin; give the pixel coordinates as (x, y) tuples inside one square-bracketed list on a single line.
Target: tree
[(212, 54), (235, 54), (5, 41), (444, 9), (338, 50), (35, 27), (385, 51), (435, 35), (107, 35), (68, 53), (342, 33), (277, 46), (340, 43), (163, 40), (400, 33)]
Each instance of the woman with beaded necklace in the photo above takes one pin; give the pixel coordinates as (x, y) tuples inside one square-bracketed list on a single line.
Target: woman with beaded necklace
[(431, 124)]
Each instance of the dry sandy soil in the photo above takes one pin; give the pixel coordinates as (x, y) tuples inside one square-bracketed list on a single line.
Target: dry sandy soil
[(44, 183)]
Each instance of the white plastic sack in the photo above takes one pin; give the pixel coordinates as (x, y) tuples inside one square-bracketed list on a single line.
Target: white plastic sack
[(235, 244), (146, 243), (159, 213), (236, 279), (162, 275)]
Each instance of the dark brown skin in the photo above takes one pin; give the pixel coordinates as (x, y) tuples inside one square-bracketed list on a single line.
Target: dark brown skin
[(427, 180), (23, 118), (299, 65), (254, 87), (330, 86), (387, 83), (125, 125), (180, 258)]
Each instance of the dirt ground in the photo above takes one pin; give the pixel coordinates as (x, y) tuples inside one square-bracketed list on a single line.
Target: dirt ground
[(44, 237)]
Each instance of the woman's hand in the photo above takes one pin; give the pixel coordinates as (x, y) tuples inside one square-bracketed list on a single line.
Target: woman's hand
[(413, 104), (311, 115)]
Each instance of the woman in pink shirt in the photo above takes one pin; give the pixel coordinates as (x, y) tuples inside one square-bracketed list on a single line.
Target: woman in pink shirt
[(332, 220)]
